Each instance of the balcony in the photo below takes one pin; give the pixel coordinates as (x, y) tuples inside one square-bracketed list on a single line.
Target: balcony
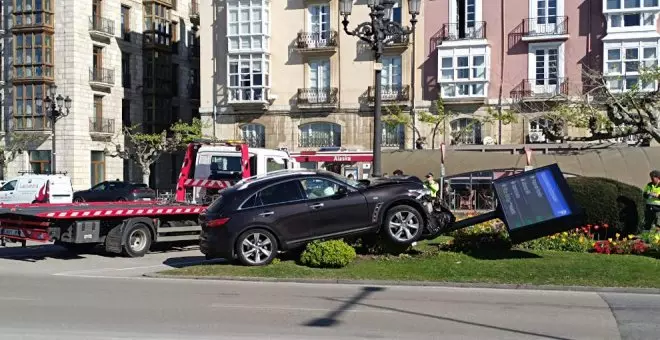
[(396, 43), (541, 90), (101, 29), (103, 127), (317, 43), (317, 98), (390, 94), (545, 28), (40, 124), (193, 12), (248, 98), (460, 32), (101, 78)]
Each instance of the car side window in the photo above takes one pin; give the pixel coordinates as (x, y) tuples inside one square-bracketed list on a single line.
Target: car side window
[(9, 186), (280, 193), (99, 187), (250, 202), (319, 188)]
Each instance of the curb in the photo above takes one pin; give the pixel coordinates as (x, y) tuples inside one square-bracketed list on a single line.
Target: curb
[(655, 291)]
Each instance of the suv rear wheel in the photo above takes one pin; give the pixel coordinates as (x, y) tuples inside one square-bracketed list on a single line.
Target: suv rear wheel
[(403, 224), (256, 247)]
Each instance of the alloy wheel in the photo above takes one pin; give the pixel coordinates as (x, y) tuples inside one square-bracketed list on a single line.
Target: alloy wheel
[(257, 248), (404, 225)]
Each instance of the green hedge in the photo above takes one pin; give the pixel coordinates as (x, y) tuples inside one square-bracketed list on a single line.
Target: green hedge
[(328, 254), (606, 201)]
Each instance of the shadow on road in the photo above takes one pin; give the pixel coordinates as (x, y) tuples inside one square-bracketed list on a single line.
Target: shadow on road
[(37, 253), (188, 261), (331, 318)]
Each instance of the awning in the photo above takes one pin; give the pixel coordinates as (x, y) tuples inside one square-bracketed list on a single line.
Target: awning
[(346, 157)]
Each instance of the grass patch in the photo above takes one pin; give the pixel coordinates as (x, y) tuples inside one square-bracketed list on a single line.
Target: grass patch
[(515, 266)]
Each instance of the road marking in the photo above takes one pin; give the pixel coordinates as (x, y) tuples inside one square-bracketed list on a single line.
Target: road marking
[(304, 309), (77, 273), (12, 298)]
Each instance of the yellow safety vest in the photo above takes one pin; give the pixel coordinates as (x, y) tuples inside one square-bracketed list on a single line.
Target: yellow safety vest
[(433, 186), (652, 189)]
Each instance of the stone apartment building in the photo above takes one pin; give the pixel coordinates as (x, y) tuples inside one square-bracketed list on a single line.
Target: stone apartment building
[(122, 62), (267, 62)]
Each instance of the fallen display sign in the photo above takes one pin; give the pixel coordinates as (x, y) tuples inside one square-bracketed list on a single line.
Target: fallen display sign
[(532, 204)]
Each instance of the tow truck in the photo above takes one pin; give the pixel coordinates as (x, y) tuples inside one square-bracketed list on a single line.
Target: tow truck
[(130, 228)]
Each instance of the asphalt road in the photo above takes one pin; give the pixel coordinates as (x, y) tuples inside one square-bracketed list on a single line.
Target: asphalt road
[(112, 303)]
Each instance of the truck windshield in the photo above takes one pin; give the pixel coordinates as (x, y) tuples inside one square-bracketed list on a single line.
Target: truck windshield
[(226, 163)]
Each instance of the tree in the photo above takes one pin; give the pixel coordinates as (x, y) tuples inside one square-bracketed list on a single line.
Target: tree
[(606, 114), (146, 148), (16, 143), (501, 117)]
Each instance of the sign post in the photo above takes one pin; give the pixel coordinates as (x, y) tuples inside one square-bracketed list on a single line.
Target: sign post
[(528, 158), (443, 150)]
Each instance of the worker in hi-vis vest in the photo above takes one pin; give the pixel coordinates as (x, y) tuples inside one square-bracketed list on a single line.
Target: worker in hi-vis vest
[(652, 197), (432, 185)]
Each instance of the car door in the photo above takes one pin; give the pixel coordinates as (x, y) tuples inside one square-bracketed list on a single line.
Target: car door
[(283, 207), (95, 194), (7, 192), (332, 212)]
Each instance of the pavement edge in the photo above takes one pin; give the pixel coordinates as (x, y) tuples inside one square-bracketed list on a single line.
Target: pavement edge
[(415, 284)]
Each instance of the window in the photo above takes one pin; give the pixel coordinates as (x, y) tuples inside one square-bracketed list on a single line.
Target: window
[(319, 25), (393, 135), (33, 55), (156, 24), (395, 14), (463, 72), (320, 135), (319, 74), (26, 15), (226, 164), (175, 37), (316, 188), (40, 161), (465, 131), (97, 167), (175, 80), (248, 77), (254, 135), (630, 14), (9, 186), (98, 113), (126, 112), (97, 59), (623, 63), (631, 4), (273, 164), (126, 22), (247, 25), (536, 127), (391, 75), (126, 70), (28, 116), (546, 70), (281, 193)]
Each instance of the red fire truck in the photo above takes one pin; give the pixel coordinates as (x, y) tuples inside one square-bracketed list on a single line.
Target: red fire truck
[(130, 228)]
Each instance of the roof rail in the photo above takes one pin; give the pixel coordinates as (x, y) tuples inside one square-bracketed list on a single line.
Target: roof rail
[(32, 172), (229, 142)]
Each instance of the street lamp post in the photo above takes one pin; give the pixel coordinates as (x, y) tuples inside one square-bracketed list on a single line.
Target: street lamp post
[(377, 33), (56, 107)]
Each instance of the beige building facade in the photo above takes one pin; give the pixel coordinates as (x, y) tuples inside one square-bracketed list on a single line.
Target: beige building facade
[(284, 74), (122, 62)]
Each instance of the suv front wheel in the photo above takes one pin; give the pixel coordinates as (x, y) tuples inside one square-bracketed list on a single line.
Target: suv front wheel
[(403, 224)]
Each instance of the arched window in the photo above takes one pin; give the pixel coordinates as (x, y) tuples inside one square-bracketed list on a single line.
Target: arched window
[(254, 134), (319, 134), (393, 135), (536, 127), (466, 131)]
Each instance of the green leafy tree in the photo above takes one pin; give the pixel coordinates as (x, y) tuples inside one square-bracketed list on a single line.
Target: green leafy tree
[(607, 114), (146, 148), (16, 143), (436, 120)]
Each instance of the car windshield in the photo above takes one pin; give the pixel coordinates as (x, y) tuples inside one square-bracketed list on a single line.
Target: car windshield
[(225, 163)]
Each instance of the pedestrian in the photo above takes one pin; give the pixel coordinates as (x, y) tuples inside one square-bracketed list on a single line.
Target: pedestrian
[(432, 185), (652, 196), (398, 172), (350, 176)]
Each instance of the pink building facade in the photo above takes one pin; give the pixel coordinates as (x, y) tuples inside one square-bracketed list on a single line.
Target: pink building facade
[(485, 53)]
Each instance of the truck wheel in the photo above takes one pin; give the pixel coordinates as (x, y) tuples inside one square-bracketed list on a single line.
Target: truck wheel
[(138, 240), (256, 247), (403, 224)]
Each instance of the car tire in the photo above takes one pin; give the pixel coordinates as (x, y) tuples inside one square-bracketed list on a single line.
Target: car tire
[(121, 199), (78, 200), (138, 240), (256, 247), (403, 225)]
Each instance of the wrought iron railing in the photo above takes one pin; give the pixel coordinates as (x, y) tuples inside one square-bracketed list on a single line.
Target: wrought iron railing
[(469, 31), (316, 141), (102, 125), (317, 96), (545, 26), (540, 88), (101, 24), (308, 40), (390, 93), (102, 75)]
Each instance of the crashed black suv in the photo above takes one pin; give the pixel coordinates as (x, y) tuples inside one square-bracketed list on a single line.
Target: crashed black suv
[(258, 217)]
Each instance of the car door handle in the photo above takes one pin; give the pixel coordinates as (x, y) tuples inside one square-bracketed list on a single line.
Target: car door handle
[(266, 214), (316, 206)]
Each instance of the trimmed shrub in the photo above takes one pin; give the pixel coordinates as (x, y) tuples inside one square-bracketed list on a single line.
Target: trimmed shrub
[(377, 245), (328, 254), (485, 236), (616, 206)]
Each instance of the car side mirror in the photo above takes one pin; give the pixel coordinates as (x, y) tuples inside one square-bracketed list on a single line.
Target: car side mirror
[(341, 192)]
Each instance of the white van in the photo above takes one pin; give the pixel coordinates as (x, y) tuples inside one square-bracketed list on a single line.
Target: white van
[(27, 188)]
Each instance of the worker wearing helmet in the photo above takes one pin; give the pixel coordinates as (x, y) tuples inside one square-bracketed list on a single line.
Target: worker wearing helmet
[(652, 196), (432, 185)]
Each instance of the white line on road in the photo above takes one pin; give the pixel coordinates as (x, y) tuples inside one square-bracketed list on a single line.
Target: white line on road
[(12, 298), (101, 270), (304, 309)]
